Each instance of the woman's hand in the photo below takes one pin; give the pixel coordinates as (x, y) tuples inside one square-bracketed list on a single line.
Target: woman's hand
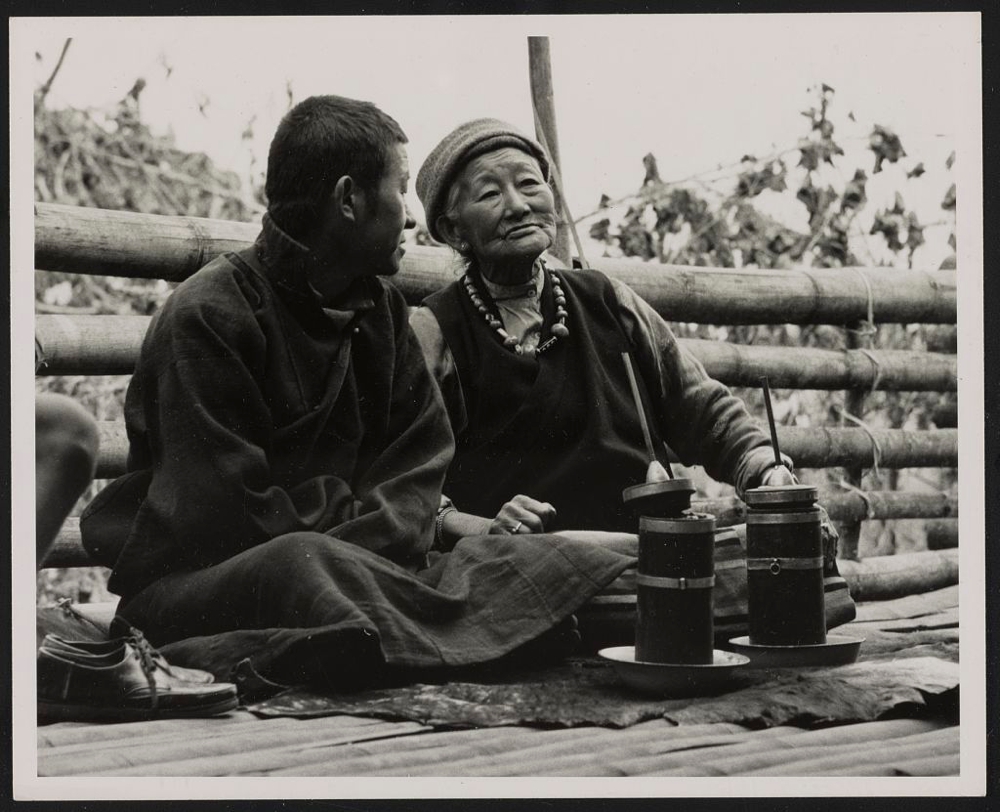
[(778, 476), (522, 514)]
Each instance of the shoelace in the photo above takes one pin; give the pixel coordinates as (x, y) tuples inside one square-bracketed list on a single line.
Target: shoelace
[(66, 605), (148, 657)]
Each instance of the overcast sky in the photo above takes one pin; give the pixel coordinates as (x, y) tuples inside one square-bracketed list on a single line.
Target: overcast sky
[(697, 91)]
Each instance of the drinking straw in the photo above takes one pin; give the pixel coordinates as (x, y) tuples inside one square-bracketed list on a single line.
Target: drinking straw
[(770, 421), (642, 414)]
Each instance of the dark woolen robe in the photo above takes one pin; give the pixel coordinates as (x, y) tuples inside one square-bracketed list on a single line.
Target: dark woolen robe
[(562, 427), (286, 461)]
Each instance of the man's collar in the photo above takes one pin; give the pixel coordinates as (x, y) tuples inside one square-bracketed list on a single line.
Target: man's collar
[(288, 262)]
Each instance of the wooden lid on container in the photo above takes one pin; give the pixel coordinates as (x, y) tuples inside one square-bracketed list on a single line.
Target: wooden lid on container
[(668, 498)]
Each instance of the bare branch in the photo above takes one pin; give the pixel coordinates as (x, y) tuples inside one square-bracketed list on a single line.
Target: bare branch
[(44, 90)]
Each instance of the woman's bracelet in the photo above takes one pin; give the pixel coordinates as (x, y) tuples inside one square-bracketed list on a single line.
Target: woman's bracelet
[(439, 524)]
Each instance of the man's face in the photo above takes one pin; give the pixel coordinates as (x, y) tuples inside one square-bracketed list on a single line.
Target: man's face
[(383, 216)]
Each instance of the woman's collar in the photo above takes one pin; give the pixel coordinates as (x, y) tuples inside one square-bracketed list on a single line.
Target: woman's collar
[(522, 290)]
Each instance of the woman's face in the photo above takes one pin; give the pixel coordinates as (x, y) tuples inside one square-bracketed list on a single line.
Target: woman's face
[(504, 210)]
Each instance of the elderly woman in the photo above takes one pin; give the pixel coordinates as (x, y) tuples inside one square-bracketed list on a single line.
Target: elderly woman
[(529, 360)]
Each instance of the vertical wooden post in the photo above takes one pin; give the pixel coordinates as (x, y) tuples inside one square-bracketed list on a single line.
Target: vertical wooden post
[(854, 403), (540, 70)]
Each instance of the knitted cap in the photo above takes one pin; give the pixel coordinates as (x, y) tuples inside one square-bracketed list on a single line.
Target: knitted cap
[(461, 145)]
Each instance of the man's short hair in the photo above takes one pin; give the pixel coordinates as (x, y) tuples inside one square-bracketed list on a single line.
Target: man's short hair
[(318, 141)]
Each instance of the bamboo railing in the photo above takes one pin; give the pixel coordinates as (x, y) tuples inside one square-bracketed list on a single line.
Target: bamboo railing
[(146, 246), (98, 242), (109, 345), (818, 447)]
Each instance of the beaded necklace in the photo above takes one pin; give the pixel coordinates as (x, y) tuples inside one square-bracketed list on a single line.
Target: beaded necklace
[(559, 329)]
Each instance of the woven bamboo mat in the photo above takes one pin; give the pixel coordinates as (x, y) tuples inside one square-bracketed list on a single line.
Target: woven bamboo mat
[(349, 746), (721, 736)]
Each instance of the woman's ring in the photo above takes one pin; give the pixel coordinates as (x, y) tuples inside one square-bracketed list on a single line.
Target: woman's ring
[(515, 528)]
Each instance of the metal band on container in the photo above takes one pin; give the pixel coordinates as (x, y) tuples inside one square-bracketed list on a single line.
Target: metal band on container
[(804, 517), (781, 496), (694, 523), (663, 582), (777, 564)]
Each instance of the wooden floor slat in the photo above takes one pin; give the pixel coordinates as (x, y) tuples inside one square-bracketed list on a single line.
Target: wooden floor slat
[(198, 750), (892, 753), (249, 724), (742, 760), (264, 756), (68, 733), (623, 744), (361, 756)]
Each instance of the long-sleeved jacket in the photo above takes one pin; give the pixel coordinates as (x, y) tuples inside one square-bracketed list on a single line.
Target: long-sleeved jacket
[(255, 411)]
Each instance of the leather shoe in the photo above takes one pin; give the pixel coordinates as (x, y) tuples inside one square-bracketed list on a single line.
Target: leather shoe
[(124, 684), (79, 650)]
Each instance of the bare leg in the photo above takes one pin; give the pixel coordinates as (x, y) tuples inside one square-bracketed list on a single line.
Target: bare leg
[(66, 444)]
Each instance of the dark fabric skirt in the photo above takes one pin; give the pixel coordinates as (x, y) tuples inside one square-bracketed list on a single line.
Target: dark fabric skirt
[(306, 607)]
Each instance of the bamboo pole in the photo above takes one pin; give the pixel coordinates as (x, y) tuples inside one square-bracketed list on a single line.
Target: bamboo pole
[(97, 241), (800, 296), (808, 447), (116, 243), (89, 345), (543, 103), (812, 368), (909, 607), (877, 578), (820, 447), (886, 577), (849, 506), (889, 505), (109, 345), (942, 534), (854, 405), (68, 551)]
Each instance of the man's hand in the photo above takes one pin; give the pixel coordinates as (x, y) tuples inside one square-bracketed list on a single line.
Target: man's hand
[(522, 514)]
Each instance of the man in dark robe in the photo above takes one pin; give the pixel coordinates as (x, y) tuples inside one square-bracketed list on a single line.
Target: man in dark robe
[(288, 447)]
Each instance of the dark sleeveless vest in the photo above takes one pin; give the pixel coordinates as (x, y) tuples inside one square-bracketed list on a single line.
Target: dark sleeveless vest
[(560, 427)]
